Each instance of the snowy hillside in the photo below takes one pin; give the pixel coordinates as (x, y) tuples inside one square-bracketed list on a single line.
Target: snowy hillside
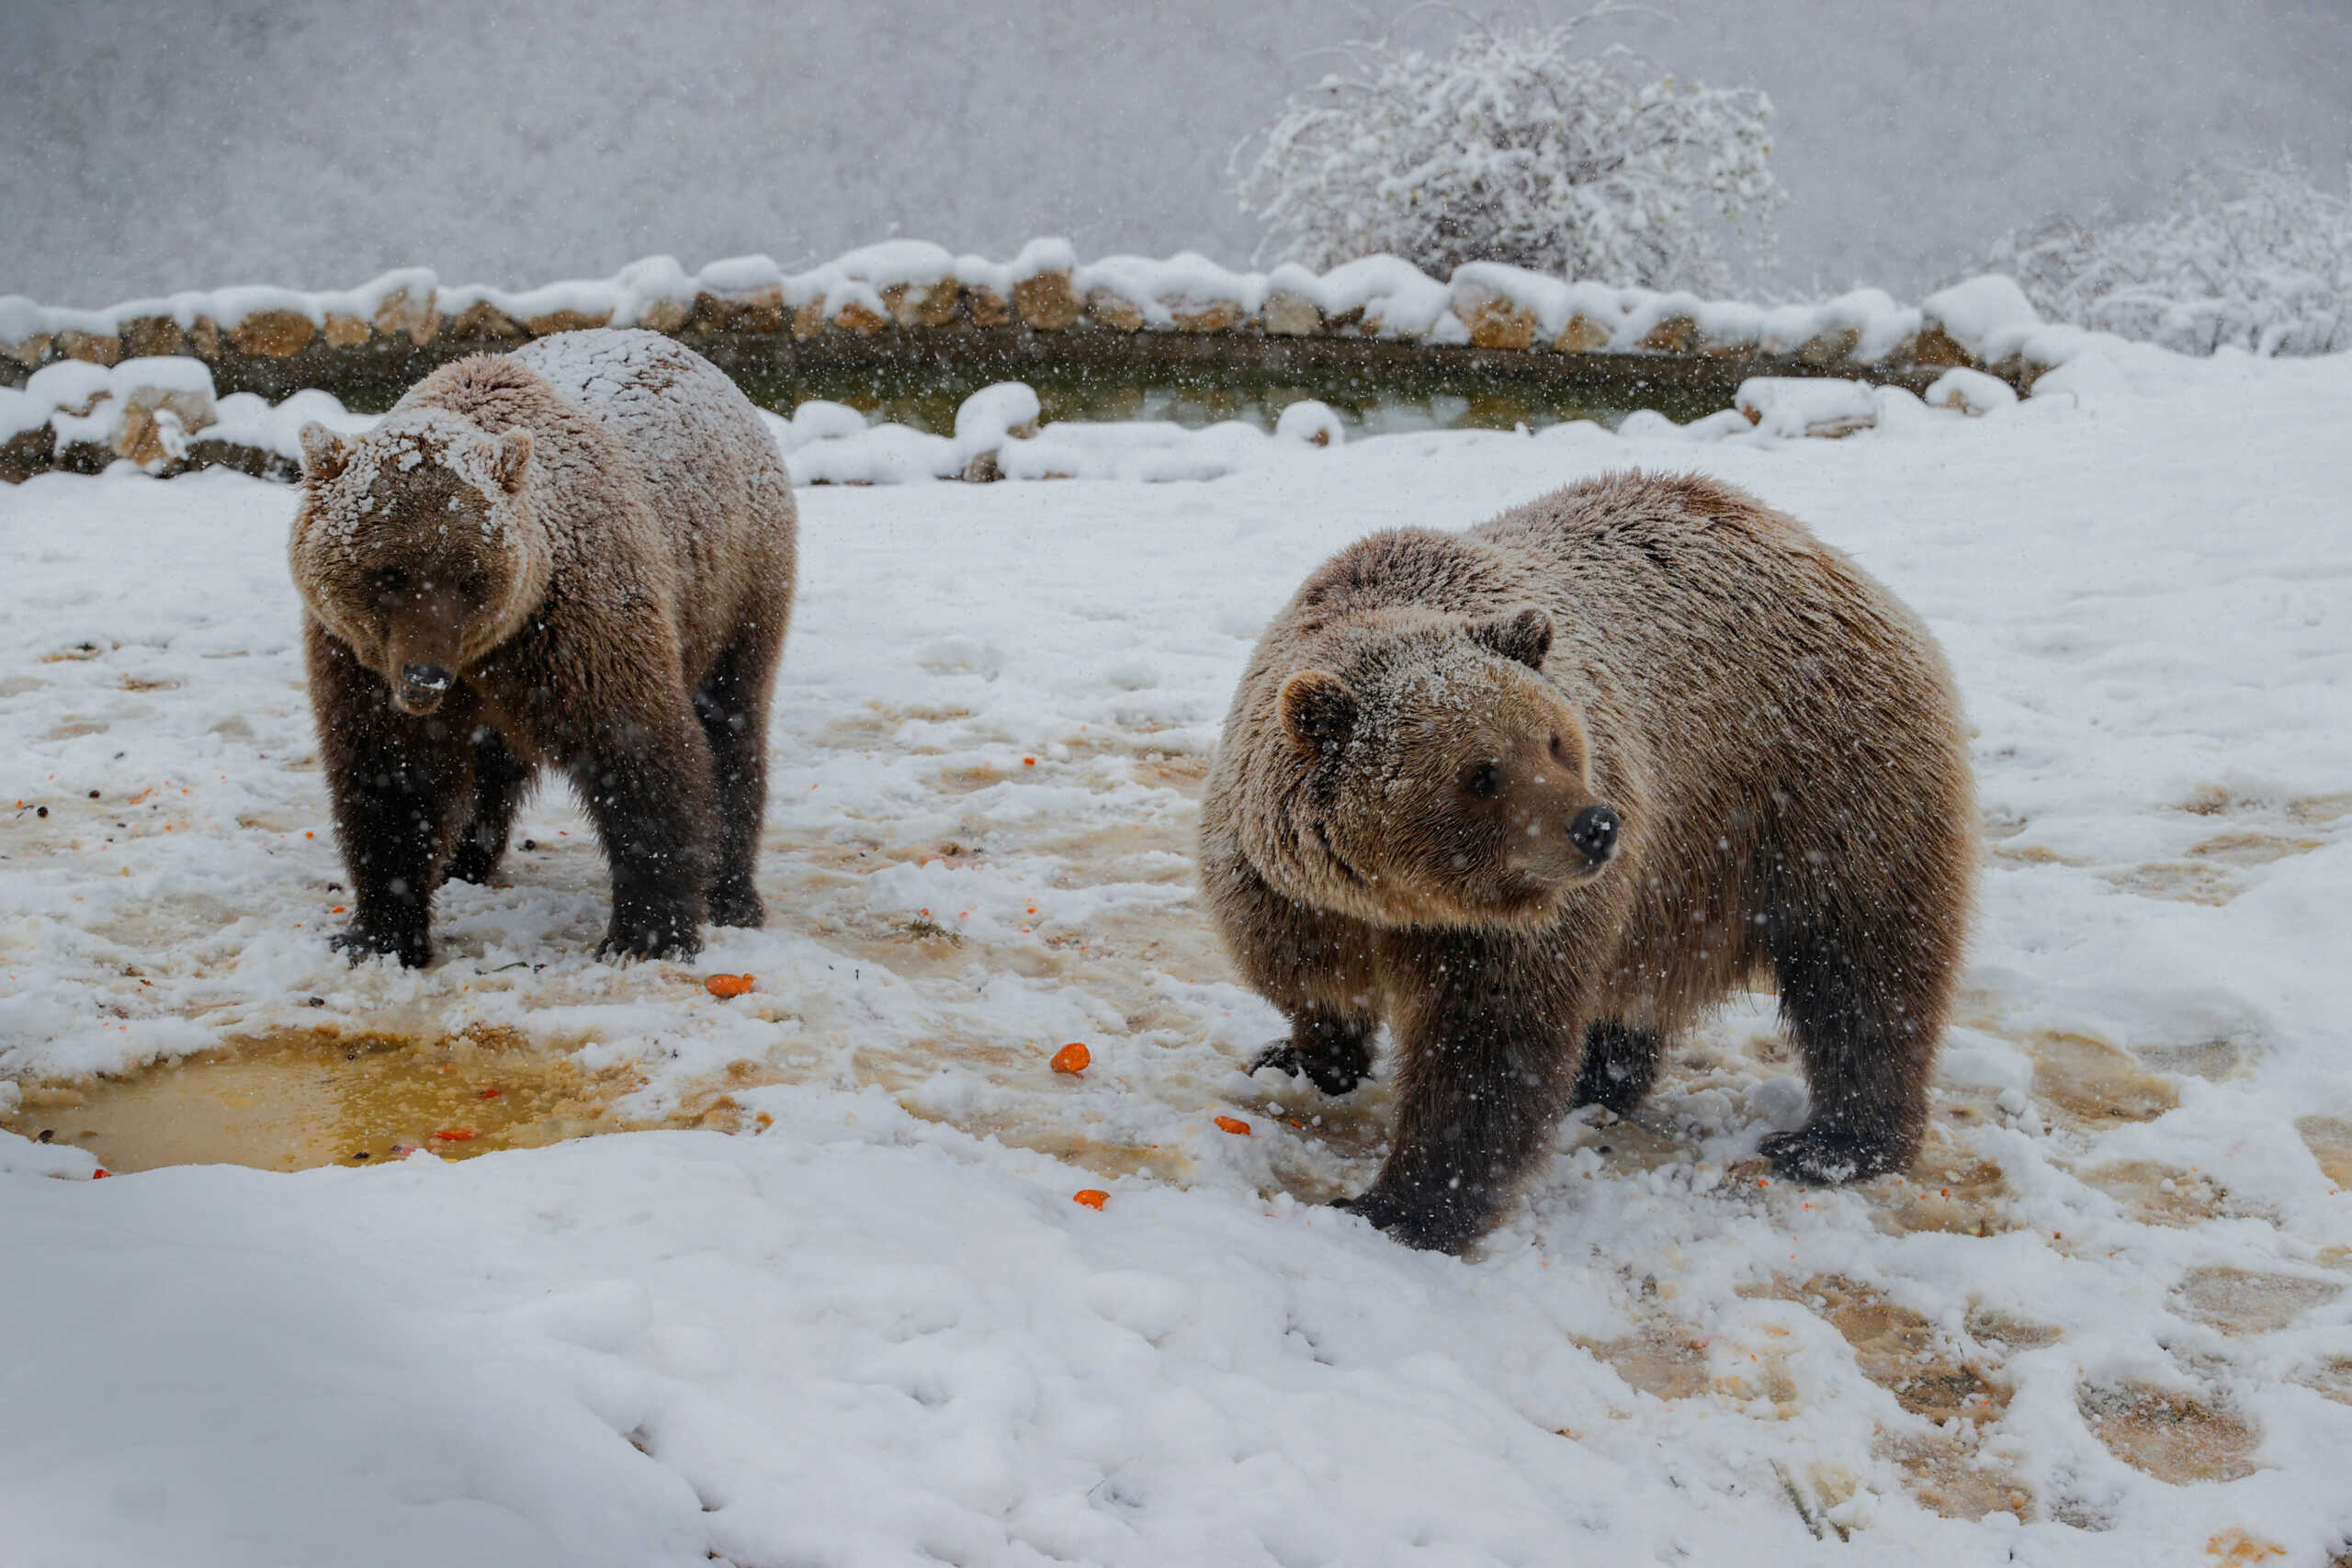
[(2104, 1322)]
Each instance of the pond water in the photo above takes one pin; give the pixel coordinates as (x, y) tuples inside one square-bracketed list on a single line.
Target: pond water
[(1367, 405)]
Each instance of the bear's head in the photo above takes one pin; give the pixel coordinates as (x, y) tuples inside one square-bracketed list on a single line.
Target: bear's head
[(416, 545), (1446, 782)]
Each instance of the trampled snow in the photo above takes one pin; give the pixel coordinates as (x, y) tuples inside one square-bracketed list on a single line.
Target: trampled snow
[(878, 1331)]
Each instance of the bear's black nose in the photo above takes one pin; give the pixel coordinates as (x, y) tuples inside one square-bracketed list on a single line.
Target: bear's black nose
[(433, 678), (1594, 832)]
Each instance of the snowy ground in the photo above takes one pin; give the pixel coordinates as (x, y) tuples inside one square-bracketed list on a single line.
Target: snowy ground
[(2104, 1322)]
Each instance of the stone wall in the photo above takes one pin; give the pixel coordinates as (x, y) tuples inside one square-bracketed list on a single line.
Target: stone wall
[(909, 304)]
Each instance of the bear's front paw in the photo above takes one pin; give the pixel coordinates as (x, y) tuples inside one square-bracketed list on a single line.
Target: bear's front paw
[(650, 939), (1432, 1228), (1333, 1077), (362, 942), (737, 903), (1828, 1156)]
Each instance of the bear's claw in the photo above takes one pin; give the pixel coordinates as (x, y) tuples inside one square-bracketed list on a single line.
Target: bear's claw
[(653, 941), (1829, 1156), (1332, 1077), (1417, 1226), (359, 944)]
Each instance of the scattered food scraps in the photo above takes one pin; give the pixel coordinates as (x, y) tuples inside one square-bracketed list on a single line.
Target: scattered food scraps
[(724, 986), (100, 1174), (457, 1135), (1235, 1126), (1092, 1197), (1072, 1058), (490, 1094)]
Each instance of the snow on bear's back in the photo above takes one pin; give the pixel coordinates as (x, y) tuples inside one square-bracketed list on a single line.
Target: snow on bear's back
[(673, 410)]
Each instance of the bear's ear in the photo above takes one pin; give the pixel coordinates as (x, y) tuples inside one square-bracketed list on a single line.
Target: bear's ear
[(323, 453), (1318, 709), (1523, 634), (509, 460)]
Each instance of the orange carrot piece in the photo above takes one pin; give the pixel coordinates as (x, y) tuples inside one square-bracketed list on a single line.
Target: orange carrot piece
[(1072, 1058), (457, 1135), (1234, 1124), (724, 986), (1092, 1197)]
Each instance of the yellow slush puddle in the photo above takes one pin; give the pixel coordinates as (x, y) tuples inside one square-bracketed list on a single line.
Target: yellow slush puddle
[(308, 1098)]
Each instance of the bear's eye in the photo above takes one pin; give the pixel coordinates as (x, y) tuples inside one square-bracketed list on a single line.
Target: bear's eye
[(1485, 781)]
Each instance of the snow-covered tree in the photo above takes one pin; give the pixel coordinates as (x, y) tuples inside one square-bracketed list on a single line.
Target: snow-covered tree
[(2250, 254), (1514, 145)]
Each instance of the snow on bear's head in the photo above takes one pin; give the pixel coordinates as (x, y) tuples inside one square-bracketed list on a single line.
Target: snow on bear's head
[(415, 545), (1443, 781)]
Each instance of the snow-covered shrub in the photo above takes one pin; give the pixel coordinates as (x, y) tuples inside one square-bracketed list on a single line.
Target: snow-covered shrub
[(2250, 254), (1515, 146)]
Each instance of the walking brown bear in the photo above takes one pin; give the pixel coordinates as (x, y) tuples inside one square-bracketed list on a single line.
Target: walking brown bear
[(1542, 794), (578, 555)]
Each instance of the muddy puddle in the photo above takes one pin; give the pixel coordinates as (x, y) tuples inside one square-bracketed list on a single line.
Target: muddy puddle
[(303, 1099)]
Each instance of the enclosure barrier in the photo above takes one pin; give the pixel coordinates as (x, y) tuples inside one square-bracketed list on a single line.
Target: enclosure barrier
[(907, 306)]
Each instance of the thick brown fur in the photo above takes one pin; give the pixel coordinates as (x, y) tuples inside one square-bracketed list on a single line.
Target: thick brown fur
[(1387, 835), (577, 557)]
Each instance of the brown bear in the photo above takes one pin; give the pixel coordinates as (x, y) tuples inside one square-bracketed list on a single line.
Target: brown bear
[(578, 555), (1542, 794)]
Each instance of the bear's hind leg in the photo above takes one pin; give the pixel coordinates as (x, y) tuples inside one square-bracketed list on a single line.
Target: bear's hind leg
[(734, 708), (395, 782), (1621, 1063), (500, 781), (1865, 1001)]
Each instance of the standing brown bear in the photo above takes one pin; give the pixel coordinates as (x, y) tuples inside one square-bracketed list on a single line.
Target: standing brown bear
[(1543, 794), (578, 555)]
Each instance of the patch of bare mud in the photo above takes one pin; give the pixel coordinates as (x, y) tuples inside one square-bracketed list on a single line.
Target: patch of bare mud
[(1898, 1349), (1668, 1360), (2178, 1439), (2012, 1334), (1961, 1393), (2331, 1378), (2093, 1083), (1947, 1189), (2215, 1061), (2156, 1194), (2330, 1141), (1947, 1473), (2237, 1302), (2316, 810), (2184, 881), (1627, 1144)]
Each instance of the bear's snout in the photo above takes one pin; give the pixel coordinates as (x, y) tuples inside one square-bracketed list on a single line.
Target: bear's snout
[(1594, 833), (421, 689)]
